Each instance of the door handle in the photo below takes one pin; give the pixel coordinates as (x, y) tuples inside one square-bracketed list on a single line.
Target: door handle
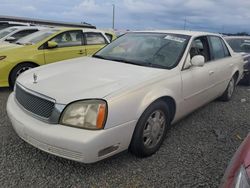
[(211, 72)]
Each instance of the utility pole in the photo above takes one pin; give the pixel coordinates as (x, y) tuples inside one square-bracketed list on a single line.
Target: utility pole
[(113, 24)]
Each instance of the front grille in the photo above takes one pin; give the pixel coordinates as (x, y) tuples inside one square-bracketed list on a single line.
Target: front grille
[(33, 103)]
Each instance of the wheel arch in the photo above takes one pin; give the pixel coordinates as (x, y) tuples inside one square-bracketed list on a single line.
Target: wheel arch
[(171, 104), (236, 75), (134, 147), (168, 99), (30, 62)]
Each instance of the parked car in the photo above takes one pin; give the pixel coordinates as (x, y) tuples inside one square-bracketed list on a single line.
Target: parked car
[(126, 96), (5, 24), (12, 34), (241, 44), (237, 174), (47, 46)]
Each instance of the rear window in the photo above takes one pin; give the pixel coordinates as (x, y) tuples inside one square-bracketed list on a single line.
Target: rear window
[(94, 38)]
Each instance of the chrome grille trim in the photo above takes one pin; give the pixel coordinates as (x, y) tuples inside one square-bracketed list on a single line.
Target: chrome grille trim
[(53, 114), (35, 93)]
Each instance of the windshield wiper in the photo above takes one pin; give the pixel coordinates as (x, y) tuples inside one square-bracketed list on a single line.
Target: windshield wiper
[(118, 60), (124, 61), (133, 62), (19, 43), (156, 65), (100, 57), (140, 63)]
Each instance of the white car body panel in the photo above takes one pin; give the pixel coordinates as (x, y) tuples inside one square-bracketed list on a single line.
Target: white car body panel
[(128, 90)]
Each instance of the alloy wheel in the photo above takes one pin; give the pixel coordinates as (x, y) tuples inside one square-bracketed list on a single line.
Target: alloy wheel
[(154, 129), (231, 88), (23, 69)]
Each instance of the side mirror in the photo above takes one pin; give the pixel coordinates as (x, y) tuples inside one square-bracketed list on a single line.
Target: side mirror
[(10, 39), (198, 61), (52, 44)]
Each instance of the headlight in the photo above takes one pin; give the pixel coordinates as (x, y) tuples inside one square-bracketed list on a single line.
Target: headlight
[(242, 180), (2, 57), (88, 114)]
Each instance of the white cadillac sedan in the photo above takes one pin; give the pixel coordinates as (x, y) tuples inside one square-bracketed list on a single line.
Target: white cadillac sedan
[(124, 97)]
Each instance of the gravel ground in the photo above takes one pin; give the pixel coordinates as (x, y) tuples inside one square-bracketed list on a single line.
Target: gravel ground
[(194, 154)]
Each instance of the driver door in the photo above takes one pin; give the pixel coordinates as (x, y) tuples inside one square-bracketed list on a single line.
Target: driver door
[(70, 45), (196, 81)]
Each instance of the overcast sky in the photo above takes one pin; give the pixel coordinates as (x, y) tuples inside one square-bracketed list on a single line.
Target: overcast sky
[(208, 15)]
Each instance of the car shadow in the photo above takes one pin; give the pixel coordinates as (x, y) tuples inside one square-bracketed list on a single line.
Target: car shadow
[(5, 89)]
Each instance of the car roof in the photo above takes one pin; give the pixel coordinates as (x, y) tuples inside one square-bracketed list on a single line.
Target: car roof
[(181, 32), (27, 27), (75, 28), (12, 22)]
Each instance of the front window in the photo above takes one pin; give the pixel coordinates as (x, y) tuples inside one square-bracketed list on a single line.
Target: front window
[(36, 37), (239, 44), (200, 46), (146, 49), (6, 32), (69, 38)]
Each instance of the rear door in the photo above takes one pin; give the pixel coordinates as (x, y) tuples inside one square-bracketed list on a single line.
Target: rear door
[(221, 64), (70, 45), (94, 41)]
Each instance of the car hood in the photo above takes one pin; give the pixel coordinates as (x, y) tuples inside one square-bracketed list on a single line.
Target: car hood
[(85, 78)]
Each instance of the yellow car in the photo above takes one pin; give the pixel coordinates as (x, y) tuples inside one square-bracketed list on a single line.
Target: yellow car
[(48, 46)]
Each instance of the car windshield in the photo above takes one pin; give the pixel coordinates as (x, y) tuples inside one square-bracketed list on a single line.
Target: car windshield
[(239, 44), (6, 31), (146, 49), (36, 37)]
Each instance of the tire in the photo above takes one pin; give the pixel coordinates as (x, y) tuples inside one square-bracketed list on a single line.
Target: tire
[(227, 95), (150, 130), (19, 69), (247, 79)]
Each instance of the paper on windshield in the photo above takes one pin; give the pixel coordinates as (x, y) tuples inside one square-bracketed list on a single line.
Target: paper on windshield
[(174, 38)]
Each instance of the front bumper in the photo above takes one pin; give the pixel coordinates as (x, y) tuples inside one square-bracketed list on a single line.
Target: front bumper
[(68, 142)]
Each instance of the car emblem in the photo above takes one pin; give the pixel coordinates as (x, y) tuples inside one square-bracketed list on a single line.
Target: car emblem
[(35, 78)]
